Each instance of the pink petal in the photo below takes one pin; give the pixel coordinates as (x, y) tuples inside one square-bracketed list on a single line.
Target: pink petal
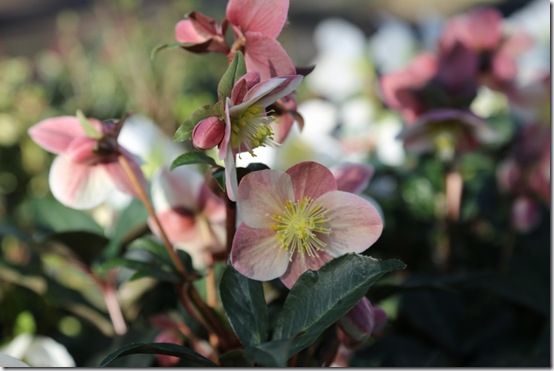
[(353, 178), (82, 150), (283, 123), (301, 263), (261, 195), (354, 222), (268, 92), (264, 16), (266, 56), (55, 134), (482, 29), (256, 254), (120, 177), (178, 223), (186, 32), (359, 323), (311, 179), (225, 142), (243, 85), (78, 185), (231, 181), (208, 133)]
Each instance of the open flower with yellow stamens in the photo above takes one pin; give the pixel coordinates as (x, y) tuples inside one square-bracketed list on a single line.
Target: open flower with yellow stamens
[(296, 221), (246, 124)]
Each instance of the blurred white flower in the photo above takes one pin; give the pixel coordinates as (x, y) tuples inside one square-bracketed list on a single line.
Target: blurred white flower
[(392, 46), (7, 361), (142, 137), (341, 52), (38, 351), (489, 102)]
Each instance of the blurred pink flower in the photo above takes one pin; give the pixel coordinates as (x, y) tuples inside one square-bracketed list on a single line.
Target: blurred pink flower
[(446, 80), (480, 30), (192, 215), (527, 169), (257, 24), (361, 322), (526, 214), (446, 131), (296, 221), (168, 336), (87, 168), (353, 178), (247, 124)]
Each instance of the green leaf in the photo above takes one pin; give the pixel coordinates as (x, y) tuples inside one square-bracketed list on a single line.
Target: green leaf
[(236, 69), (184, 132), (161, 47), (190, 158), (271, 354), (244, 304), (191, 358), (141, 268), (90, 130), (320, 298), (235, 358), (53, 216), (129, 221)]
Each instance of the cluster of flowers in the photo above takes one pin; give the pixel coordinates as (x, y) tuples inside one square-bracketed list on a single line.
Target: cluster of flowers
[(434, 94), (288, 222)]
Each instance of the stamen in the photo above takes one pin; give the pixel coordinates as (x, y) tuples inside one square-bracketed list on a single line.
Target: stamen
[(252, 129), (300, 225)]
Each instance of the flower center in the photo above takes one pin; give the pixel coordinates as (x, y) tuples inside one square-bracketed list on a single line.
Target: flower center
[(300, 226), (251, 129)]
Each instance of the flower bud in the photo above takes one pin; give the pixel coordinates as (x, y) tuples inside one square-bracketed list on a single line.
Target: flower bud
[(360, 323), (208, 133), (171, 337)]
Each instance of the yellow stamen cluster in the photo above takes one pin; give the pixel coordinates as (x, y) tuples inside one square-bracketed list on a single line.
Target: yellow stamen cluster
[(251, 129), (300, 226)]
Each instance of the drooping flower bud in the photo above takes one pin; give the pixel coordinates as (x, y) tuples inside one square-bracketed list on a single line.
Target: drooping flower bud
[(208, 133), (360, 323)]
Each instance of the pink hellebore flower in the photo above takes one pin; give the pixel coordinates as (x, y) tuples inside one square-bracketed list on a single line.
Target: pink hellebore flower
[(192, 215), (257, 24), (247, 124), (446, 131), (296, 221), (361, 322), (88, 168), (480, 30)]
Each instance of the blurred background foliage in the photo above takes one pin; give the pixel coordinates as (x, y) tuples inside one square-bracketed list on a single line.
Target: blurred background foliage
[(491, 309)]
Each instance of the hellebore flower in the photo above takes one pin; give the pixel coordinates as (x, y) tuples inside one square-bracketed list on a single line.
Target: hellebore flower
[(246, 123), (192, 215), (361, 322), (480, 31), (88, 166), (446, 131), (298, 220), (432, 81), (256, 25)]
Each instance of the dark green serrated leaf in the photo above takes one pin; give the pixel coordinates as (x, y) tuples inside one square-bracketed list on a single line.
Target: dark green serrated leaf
[(133, 217), (245, 307), (191, 358), (191, 158), (236, 69), (320, 298), (271, 354)]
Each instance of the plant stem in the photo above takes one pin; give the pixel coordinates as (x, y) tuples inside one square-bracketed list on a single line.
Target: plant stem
[(114, 309), (188, 296)]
